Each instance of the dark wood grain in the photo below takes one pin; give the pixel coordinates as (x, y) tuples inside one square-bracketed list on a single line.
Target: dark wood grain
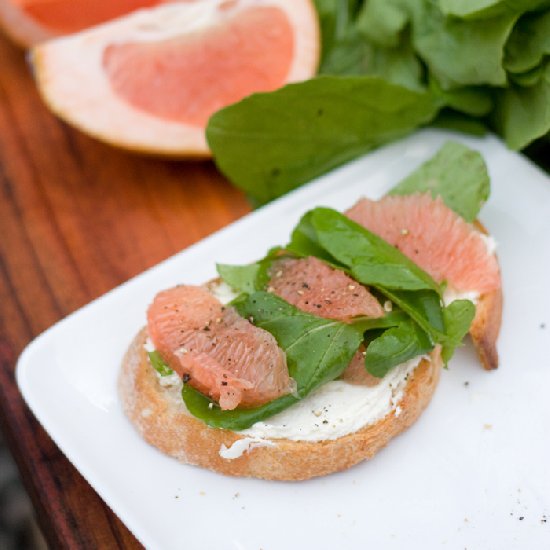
[(78, 218)]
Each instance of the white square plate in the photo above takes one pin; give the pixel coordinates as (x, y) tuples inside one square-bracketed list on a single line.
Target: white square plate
[(473, 472)]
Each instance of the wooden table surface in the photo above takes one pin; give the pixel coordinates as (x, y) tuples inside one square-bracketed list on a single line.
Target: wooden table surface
[(78, 218)]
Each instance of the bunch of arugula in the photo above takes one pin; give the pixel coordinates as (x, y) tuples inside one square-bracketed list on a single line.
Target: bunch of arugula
[(318, 350), (388, 67)]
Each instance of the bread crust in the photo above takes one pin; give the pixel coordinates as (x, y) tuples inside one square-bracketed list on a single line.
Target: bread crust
[(486, 324), (161, 418)]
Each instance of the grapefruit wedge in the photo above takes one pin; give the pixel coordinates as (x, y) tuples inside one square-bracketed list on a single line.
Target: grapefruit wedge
[(218, 352), (28, 22), (449, 249), (149, 81)]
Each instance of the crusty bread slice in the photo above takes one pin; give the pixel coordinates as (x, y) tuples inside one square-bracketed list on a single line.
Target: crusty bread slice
[(160, 416)]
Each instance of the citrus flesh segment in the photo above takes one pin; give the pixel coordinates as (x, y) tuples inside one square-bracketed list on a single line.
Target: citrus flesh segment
[(187, 79), (150, 80), (356, 373), (314, 287), (218, 352), (434, 237)]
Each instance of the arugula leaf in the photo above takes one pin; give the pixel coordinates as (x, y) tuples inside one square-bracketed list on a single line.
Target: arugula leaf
[(391, 319), (241, 278), (158, 363), (370, 258), (523, 113), (424, 306), (304, 242), (472, 100), (528, 78), (350, 56), (339, 42), (528, 43), (270, 143), (395, 346), (346, 51), (458, 316), (382, 21), (251, 277), (317, 349), (238, 419), (483, 9), (457, 174), (398, 65), (459, 122), (343, 51), (457, 52)]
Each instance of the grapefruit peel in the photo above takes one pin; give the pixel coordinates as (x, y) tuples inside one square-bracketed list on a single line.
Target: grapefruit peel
[(28, 22), (19, 26)]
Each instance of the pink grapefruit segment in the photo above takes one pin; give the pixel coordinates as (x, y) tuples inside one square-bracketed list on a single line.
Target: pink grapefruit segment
[(314, 287), (434, 237), (188, 78), (221, 354), (356, 373)]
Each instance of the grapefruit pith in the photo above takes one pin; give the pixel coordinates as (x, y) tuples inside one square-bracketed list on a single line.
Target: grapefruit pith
[(31, 21), (218, 352), (149, 81)]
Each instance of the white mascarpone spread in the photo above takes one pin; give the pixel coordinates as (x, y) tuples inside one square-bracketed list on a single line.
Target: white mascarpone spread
[(223, 292), (337, 408), (334, 410), (451, 295), (490, 243), (242, 446)]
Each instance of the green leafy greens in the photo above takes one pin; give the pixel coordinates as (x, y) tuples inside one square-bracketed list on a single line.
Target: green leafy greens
[(251, 277), (457, 174), (388, 67), (318, 350), (270, 143), (458, 317), (158, 363), (395, 346)]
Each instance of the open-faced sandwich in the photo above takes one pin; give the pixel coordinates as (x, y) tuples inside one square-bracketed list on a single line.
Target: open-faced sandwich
[(311, 359)]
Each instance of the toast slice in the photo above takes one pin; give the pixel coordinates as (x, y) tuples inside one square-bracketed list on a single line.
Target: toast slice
[(160, 416)]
